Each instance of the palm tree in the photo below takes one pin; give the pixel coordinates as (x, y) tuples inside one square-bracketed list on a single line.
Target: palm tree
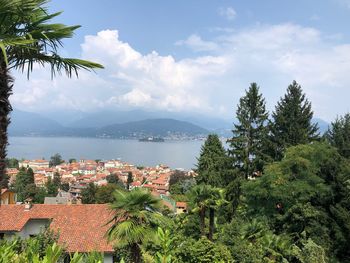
[(135, 220), (205, 197), (199, 196), (215, 201), (27, 37)]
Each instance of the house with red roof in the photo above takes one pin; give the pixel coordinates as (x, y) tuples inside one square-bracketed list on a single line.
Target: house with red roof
[(7, 197), (81, 228)]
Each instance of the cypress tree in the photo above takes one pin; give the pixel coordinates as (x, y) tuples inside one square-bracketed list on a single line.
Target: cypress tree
[(292, 121), (250, 133), (212, 162)]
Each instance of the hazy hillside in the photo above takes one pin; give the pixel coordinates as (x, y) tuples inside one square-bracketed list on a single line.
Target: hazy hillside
[(28, 123), (33, 124), (105, 118), (152, 127), (122, 124)]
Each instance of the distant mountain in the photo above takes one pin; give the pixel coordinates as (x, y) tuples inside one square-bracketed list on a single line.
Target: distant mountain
[(105, 118), (322, 125), (28, 123), (152, 127), (33, 124), (133, 124)]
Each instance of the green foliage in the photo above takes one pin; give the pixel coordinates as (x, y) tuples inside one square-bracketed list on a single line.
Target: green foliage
[(24, 184), (182, 186), (306, 194), (65, 187), (112, 179), (12, 163), (212, 162), (28, 38), (55, 160), (164, 254), (135, 220), (52, 188), (292, 122), (339, 135), (201, 251), (310, 252), (250, 133), (129, 180), (88, 194), (104, 194), (30, 251), (206, 198)]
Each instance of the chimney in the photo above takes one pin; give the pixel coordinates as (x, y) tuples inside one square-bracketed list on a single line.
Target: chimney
[(28, 204)]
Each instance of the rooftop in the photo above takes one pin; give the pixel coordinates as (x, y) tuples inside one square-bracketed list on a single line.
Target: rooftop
[(81, 228)]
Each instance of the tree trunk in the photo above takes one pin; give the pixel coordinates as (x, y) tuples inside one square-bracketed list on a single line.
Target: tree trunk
[(211, 223), (136, 253), (202, 221), (5, 109)]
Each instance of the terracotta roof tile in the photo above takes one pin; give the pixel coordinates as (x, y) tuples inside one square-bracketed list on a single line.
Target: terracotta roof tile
[(81, 227)]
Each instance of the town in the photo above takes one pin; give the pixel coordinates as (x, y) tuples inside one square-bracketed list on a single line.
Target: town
[(77, 175)]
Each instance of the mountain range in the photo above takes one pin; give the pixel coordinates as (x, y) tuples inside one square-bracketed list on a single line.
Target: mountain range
[(121, 124), (97, 125)]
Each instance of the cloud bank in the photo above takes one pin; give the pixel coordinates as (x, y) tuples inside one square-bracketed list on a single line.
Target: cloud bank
[(209, 82)]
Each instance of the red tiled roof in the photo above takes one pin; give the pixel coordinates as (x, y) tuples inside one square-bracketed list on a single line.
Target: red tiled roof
[(81, 228), (181, 204)]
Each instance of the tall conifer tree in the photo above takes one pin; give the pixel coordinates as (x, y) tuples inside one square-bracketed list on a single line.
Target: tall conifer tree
[(292, 121), (212, 162), (338, 135), (250, 133)]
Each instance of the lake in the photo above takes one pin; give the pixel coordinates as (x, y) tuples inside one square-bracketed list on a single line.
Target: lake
[(176, 154)]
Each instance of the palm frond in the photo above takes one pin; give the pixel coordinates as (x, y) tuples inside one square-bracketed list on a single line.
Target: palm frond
[(27, 37)]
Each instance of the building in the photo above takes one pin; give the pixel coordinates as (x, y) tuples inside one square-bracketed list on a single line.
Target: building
[(81, 228), (8, 197), (34, 164), (181, 207), (62, 198)]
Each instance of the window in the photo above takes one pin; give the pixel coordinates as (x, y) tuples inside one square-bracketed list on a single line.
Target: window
[(2, 235)]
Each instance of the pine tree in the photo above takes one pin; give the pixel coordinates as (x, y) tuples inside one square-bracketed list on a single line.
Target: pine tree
[(292, 122), (212, 162), (250, 133), (339, 135)]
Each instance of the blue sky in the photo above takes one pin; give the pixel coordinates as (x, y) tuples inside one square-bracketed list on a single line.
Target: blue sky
[(198, 55)]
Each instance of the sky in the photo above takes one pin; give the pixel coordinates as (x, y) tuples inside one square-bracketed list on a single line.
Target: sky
[(197, 56)]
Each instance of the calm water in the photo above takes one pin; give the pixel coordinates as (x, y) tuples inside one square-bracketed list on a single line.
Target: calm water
[(176, 154)]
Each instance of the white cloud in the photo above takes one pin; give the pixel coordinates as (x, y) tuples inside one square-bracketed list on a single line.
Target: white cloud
[(271, 55), (229, 13), (196, 43), (130, 79)]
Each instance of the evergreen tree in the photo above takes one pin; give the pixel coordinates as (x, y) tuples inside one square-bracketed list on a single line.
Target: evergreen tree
[(23, 179), (57, 179), (112, 179), (212, 162), (339, 135), (52, 188), (250, 133), (292, 122), (88, 194), (129, 180), (56, 160)]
